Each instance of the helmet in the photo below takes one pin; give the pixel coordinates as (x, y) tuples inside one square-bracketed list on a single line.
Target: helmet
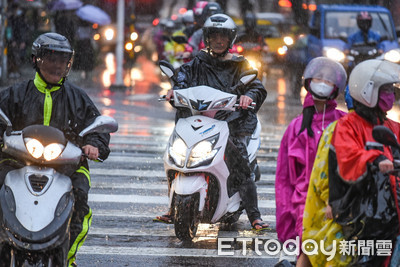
[(364, 21), (53, 42), (368, 76), (188, 18), (328, 70), (219, 23), (209, 10), (198, 10), (49, 43), (250, 21)]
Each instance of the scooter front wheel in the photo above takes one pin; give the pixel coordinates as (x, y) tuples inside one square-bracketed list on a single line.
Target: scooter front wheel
[(186, 216)]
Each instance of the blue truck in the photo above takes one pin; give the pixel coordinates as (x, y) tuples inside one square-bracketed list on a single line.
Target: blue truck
[(329, 28)]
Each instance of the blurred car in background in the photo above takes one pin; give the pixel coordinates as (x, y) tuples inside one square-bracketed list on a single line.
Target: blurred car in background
[(278, 32)]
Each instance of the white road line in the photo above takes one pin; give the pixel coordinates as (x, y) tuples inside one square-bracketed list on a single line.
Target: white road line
[(139, 199), (124, 214), (168, 252), (157, 186)]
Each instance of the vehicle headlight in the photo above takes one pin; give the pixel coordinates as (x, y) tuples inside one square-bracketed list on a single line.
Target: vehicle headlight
[(282, 50), (203, 152), (109, 34), (181, 100), (334, 54), (222, 103), (393, 55), (253, 63), (52, 151), (288, 40), (34, 147), (177, 151)]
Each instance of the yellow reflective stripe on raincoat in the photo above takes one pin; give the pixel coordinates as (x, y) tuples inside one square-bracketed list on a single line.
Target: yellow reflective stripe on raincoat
[(87, 221), (86, 172), (48, 101), (316, 226)]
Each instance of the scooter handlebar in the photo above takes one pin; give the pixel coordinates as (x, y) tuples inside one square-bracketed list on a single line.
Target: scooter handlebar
[(251, 106)]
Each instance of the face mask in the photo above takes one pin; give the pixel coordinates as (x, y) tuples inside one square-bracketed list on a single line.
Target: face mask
[(321, 89), (386, 100)]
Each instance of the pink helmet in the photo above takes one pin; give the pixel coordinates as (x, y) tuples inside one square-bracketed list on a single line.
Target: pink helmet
[(198, 9)]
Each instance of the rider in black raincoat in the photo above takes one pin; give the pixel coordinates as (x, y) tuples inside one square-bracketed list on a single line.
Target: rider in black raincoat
[(50, 100), (218, 68)]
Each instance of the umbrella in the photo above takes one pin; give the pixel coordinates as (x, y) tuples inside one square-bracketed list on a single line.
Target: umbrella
[(65, 5), (93, 14)]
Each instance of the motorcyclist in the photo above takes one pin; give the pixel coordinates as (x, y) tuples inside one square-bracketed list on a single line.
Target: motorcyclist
[(216, 67), (364, 35), (195, 43), (355, 157), (49, 99)]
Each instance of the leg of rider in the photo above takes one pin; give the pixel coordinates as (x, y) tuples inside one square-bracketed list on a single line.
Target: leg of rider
[(82, 214), (248, 188)]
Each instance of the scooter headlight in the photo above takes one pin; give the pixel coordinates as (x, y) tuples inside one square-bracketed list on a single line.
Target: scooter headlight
[(177, 151), (52, 151), (393, 55), (34, 147), (203, 152), (334, 54)]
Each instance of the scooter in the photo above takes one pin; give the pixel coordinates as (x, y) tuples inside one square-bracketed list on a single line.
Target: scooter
[(36, 200), (195, 160), (361, 52)]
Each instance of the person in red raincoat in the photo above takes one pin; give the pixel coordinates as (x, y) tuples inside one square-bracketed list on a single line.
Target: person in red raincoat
[(356, 153)]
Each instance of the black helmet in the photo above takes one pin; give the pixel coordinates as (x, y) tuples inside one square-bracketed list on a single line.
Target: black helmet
[(364, 21), (49, 43), (210, 9), (219, 23), (250, 21)]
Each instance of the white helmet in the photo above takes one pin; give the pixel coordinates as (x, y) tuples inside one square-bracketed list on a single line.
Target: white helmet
[(368, 76), (325, 69), (219, 23)]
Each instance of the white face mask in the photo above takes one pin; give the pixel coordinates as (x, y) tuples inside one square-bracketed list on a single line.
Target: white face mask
[(321, 89)]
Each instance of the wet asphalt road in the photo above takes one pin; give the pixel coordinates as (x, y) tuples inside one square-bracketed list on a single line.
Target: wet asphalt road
[(130, 189)]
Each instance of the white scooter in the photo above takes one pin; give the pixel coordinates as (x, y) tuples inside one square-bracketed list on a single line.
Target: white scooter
[(195, 159), (36, 201)]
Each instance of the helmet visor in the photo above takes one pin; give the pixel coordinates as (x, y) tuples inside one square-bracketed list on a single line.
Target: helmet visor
[(326, 70), (55, 63)]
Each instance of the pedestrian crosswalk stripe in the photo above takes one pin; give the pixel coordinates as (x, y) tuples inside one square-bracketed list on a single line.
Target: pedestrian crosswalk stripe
[(140, 199)]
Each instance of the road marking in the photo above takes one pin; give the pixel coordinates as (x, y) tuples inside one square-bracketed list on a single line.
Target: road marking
[(140, 199), (167, 252)]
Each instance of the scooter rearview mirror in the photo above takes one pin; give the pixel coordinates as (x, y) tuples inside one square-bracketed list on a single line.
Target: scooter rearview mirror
[(7, 121), (248, 76), (384, 136), (102, 124), (167, 68)]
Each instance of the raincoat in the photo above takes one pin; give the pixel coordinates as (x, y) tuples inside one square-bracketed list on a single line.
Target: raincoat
[(352, 136), (294, 165), (315, 224), (67, 108), (224, 75)]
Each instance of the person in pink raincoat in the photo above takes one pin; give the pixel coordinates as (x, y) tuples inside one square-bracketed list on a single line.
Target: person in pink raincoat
[(323, 80)]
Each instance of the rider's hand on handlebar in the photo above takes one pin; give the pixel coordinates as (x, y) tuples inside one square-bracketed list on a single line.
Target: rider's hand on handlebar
[(385, 166), (91, 152), (169, 95), (245, 101)]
